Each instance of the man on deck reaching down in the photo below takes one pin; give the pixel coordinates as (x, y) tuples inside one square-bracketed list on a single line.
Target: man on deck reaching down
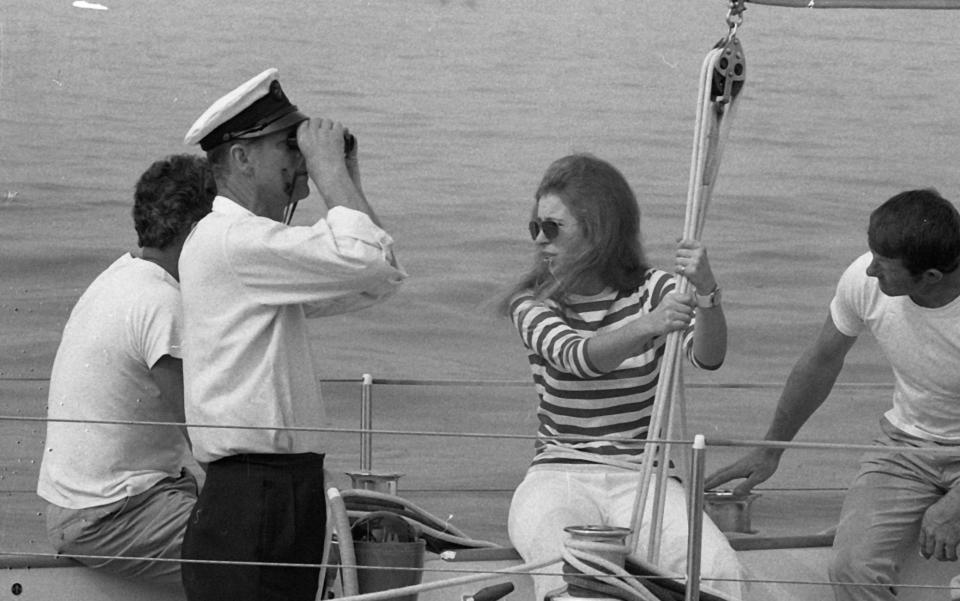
[(906, 293)]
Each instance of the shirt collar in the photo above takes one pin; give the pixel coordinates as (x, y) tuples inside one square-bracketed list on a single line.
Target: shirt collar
[(222, 204)]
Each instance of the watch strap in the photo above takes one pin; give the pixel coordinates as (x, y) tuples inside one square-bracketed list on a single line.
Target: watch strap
[(710, 299)]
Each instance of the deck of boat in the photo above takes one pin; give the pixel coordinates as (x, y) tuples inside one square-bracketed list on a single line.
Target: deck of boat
[(788, 574), (469, 480)]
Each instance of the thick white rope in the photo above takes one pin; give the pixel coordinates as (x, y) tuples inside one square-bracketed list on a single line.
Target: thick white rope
[(704, 162), (583, 556), (348, 559)]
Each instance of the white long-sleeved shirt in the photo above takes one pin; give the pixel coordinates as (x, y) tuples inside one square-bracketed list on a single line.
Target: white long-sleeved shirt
[(248, 284)]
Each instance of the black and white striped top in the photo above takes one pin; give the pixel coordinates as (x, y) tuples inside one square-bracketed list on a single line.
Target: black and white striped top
[(576, 399)]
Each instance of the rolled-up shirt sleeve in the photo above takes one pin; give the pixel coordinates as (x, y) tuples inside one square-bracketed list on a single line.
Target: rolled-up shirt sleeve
[(342, 263)]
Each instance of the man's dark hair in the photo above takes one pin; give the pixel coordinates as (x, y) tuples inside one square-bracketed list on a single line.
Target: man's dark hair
[(170, 197), (919, 227)]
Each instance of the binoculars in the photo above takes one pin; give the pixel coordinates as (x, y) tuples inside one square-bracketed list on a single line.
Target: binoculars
[(349, 142)]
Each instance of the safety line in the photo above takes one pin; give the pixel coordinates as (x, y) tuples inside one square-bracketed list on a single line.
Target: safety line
[(470, 574), (715, 442), (525, 383)]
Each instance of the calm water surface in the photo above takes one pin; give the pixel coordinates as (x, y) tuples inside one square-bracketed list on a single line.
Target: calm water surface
[(459, 106)]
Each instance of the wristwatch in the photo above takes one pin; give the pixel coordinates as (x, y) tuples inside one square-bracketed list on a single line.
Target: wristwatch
[(710, 299)]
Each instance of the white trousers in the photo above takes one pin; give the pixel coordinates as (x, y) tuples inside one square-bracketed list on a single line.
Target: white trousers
[(553, 497)]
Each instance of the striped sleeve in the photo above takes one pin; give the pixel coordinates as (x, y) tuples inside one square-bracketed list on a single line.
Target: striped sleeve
[(546, 335), (663, 284)]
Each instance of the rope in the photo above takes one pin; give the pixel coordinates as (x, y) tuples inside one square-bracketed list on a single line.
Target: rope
[(341, 524), (715, 108), (600, 575), (383, 501), (450, 582), (446, 537)]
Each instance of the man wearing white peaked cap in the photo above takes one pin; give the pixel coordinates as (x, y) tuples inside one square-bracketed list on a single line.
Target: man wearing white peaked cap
[(256, 108), (249, 282)]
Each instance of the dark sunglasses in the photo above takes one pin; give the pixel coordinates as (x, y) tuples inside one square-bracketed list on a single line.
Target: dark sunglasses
[(549, 228)]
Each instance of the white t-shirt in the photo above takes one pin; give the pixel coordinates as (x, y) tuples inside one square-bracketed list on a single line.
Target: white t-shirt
[(248, 284), (922, 345), (125, 321)]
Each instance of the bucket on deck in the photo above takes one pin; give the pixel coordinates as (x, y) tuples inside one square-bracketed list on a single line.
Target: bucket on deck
[(383, 540), (408, 557)]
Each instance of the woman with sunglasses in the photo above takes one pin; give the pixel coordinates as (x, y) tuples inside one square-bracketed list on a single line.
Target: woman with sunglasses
[(593, 316)]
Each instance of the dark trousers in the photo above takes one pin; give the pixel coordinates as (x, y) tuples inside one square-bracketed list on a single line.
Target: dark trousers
[(257, 508)]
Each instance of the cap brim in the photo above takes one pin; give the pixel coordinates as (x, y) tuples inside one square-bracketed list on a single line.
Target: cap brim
[(288, 120)]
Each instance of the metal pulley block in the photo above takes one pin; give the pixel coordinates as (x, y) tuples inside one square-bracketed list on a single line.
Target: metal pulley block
[(730, 70)]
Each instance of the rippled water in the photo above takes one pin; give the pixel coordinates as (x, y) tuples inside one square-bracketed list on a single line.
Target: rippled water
[(459, 106)]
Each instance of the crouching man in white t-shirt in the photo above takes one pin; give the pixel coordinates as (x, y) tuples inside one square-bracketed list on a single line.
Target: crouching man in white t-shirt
[(125, 490)]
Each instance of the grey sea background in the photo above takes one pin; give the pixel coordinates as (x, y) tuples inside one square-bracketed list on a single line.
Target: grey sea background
[(458, 107)]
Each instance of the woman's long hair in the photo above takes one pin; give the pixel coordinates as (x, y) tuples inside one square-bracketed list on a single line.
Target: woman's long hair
[(600, 198)]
